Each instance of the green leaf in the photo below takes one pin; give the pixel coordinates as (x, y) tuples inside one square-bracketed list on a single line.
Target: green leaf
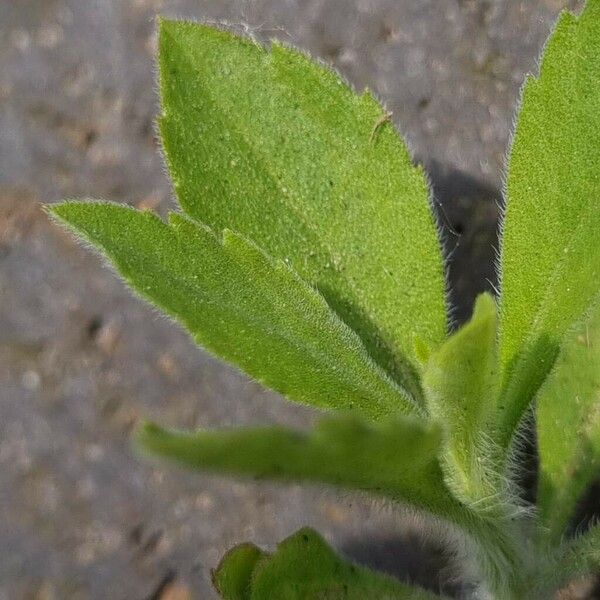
[(241, 305), (551, 242), (575, 558), (461, 387), (233, 577), (272, 145), (580, 556), (397, 458), (568, 426), (304, 567)]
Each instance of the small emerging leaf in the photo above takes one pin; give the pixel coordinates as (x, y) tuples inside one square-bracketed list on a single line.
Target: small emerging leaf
[(460, 382), (241, 305), (304, 567), (397, 459), (551, 242), (275, 146), (568, 426)]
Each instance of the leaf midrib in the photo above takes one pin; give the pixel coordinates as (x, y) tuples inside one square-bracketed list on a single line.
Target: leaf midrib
[(166, 273), (284, 192)]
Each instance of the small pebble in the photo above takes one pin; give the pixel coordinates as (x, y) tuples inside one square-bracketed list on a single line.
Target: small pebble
[(31, 380)]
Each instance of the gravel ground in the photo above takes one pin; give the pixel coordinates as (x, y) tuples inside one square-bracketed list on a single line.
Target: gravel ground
[(81, 516)]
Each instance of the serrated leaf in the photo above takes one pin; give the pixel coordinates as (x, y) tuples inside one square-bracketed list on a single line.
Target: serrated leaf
[(241, 305), (276, 147), (304, 567), (396, 459), (233, 577), (460, 382), (568, 426), (551, 241)]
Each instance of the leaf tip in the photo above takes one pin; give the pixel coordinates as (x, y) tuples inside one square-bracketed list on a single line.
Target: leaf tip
[(485, 304), (57, 211), (304, 536), (148, 436), (166, 26), (66, 213)]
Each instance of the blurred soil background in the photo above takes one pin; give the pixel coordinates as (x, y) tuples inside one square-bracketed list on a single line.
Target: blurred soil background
[(81, 360)]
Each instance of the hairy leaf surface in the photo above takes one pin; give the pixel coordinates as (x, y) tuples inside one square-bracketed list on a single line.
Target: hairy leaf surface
[(397, 459), (580, 556), (278, 148), (551, 242), (304, 567), (241, 305), (568, 426), (460, 382)]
